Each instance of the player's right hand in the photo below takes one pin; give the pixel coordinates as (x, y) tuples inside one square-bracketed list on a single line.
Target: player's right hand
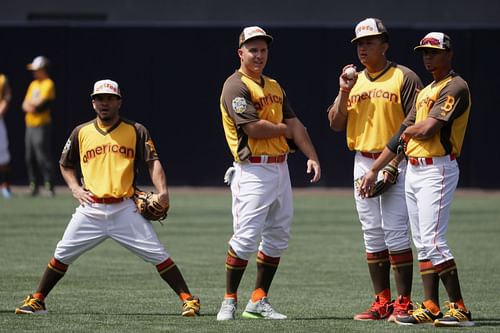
[(345, 82)]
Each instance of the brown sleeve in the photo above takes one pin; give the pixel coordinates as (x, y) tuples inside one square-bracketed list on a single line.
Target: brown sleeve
[(287, 108), (409, 90), (146, 150), (237, 102), (70, 156), (452, 102)]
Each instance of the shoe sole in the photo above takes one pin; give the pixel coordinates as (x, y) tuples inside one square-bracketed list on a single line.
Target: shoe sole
[(190, 313), (250, 315), (41, 312), (454, 324)]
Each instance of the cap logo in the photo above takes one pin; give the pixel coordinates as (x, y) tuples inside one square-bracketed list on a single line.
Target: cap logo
[(256, 31), (365, 27), (107, 87), (430, 41)]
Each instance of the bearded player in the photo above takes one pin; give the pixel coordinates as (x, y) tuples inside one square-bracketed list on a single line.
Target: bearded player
[(107, 150)]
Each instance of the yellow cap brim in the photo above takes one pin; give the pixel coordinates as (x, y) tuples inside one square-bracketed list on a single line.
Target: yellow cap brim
[(366, 36), (428, 47)]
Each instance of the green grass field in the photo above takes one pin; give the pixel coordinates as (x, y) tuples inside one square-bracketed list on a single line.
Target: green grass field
[(322, 280)]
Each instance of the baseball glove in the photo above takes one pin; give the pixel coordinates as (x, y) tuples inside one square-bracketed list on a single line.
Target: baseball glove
[(149, 206), (390, 172)]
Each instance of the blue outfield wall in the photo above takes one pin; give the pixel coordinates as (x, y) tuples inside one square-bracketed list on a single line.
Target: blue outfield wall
[(171, 78)]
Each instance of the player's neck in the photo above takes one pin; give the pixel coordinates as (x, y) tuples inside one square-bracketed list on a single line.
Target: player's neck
[(106, 123), (255, 75), (377, 67), (441, 73)]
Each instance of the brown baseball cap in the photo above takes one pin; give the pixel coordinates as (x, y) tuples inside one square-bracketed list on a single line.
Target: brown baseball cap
[(254, 32)]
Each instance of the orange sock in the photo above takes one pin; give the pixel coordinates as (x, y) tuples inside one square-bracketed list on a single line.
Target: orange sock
[(39, 296), (184, 296), (461, 304), (231, 295), (384, 296), (258, 294), (432, 307)]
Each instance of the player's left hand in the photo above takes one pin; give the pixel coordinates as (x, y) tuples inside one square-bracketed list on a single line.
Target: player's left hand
[(313, 166), (365, 184)]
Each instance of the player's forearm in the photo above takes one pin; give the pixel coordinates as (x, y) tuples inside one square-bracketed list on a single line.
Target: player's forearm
[(337, 114), (423, 129), (264, 129), (159, 179), (70, 177), (385, 157), (3, 108), (303, 141)]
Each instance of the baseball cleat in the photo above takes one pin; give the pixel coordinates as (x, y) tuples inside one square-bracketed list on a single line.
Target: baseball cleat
[(377, 311), (419, 316), (191, 307), (455, 317), (261, 310), (401, 307), (227, 309), (32, 305)]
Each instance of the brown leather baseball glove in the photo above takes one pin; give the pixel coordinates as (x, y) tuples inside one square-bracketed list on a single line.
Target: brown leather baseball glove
[(391, 174), (149, 206)]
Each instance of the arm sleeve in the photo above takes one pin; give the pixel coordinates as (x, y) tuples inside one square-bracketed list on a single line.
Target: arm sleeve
[(452, 102), (287, 108), (70, 156), (237, 101), (409, 90), (146, 150)]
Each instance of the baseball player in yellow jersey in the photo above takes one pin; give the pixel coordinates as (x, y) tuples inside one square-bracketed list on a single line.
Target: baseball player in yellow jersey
[(107, 150), (37, 105), (370, 106), (257, 120), (434, 133), (5, 96)]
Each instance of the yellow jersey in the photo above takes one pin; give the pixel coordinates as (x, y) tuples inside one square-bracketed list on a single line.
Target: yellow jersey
[(108, 157), (378, 104), (449, 101), (244, 100), (43, 91)]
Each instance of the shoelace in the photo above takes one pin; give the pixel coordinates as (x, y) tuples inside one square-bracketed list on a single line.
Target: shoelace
[(33, 303), (191, 304), (455, 312), (228, 306), (266, 306)]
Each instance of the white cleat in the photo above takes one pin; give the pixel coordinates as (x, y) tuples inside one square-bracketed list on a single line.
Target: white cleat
[(261, 310), (227, 309)]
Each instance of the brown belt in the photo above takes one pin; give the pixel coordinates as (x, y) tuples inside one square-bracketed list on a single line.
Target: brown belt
[(267, 159), (110, 200)]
